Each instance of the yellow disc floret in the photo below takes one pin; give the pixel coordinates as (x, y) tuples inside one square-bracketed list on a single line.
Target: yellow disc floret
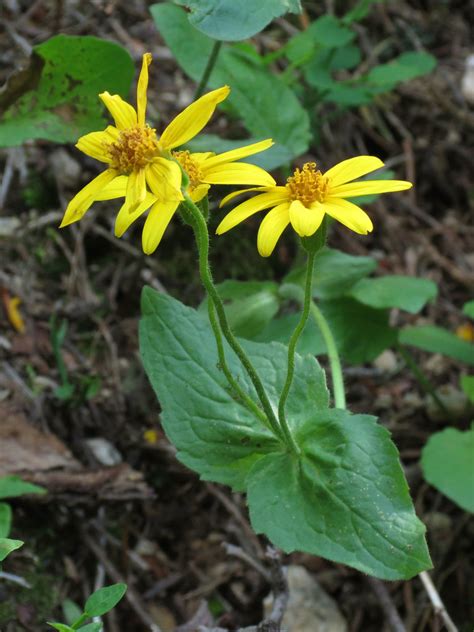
[(307, 185), (191, 167), (134, 149)]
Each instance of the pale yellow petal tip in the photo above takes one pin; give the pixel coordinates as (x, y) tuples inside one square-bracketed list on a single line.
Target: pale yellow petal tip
[(147, 58)]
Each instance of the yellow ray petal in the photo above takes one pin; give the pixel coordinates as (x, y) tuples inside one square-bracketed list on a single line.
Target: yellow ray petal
[(136, 189), (122, 112), (95, 144), (156, 223), (237, 173), (271, 228), (125, 217), (164, 179), (230, 196), (306, 221), (349, 214), (115, 189), (351, 169), (369, 187), (191, 120), (199, 192), (142, 88), (249, 207), (82, 201), (241, 152)]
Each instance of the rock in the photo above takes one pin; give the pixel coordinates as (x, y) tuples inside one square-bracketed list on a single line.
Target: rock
[(310, 608), (67, 169), (454, 400), (386, 361), (103, 451), (467, 82)]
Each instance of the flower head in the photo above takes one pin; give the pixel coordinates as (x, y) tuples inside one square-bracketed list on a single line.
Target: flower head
[(307, 197), (139, 162), (204, 169)]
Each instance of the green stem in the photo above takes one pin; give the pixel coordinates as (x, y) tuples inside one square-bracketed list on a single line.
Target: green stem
[(333, 355), (421, 377), (239, 393), (292, 346), (199, 226), (211, 62)]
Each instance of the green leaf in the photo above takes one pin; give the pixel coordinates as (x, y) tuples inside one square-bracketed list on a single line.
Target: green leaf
[(359, 12), (281, 328), (12, 486), (56, 97), (249, 305), (361, 332), (438, 340), (232, 20), (345, 499), (71, 611), (403, 68), (468, 309), (5, 520), (7, 546), (214, 434), (335, 272), (324, 33), (328, 31), (408, 293), (91, 627), (60, 627), (447, 461), (104, 599), (254, 90), (467, 385)]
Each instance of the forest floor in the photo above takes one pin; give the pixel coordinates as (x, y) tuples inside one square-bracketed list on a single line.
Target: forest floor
[(121, 507)]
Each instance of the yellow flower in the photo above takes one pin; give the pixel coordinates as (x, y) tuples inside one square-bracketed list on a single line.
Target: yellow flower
[(204, 169), (307, 196), (136, 157)]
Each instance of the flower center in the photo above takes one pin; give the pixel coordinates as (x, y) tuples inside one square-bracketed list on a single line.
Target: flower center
[(134, 149), (307, 185), (191, 167)]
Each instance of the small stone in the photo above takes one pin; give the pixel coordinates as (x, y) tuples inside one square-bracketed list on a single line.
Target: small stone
[(163, 617), (386, 361), (454, 400), (66, 169), (309, 608), (103, 451), (467, 82)]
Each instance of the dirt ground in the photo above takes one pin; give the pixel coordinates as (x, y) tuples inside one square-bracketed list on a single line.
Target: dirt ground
[(122, 507)]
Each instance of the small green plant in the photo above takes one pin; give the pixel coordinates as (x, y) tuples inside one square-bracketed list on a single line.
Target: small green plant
[(98, 604)]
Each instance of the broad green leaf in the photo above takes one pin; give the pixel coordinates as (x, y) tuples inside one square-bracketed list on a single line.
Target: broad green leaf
[(348, 94), (467, 385), (71, 611), (359, 11), (254, 90), (448, 464), (335, 272), (104, 599), (61, 627), (213, 433), (12, 486), (405, 67), (361, 332), (250, 305), (408, 293), (91, 627), (281, 328), (344, 499), (5, 520), (232, 20), (468, 309), (438, 340), (345, 57), (7, 546), (56, 97), (328, 31)]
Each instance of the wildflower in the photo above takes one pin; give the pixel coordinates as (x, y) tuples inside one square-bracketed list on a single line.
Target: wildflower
[(204, 169), (307, 196), (136, 157)]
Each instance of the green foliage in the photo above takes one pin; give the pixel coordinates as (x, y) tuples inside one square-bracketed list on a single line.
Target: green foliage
[(98, 604), (467, 385), (438, 340), (5, 520), (407, 293), (7, 546), (254, 90), (403, 68), (447, 461), (344, 497), (56, 97), (468, 309), (232, 20), (12, 486)]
